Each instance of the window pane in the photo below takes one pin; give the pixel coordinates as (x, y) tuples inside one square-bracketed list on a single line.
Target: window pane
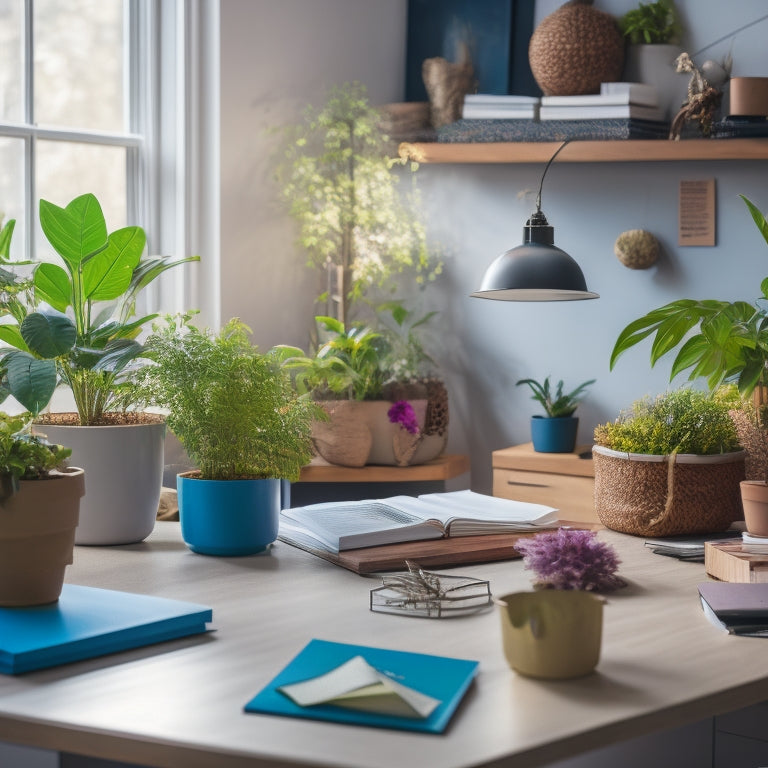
[(11, 107), (12, 191), (79, 59), (67, 169)]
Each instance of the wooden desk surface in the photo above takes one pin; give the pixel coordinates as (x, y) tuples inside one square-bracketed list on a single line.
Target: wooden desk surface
[(444, 467), (180, 703)]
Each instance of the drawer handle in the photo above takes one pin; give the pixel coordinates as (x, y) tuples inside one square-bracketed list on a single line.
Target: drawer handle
[(527, 485)]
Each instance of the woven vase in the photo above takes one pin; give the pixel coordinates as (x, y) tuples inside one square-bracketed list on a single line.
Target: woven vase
[(575, 49), (656, 496)]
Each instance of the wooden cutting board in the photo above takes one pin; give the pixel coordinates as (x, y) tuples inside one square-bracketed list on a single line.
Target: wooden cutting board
[(432, 553)]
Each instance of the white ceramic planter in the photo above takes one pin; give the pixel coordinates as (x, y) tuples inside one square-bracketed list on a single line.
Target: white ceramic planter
[(123, 478)]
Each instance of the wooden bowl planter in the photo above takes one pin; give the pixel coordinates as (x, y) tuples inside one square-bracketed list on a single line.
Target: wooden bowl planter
[(359, 432), (654, 496), (37, 534)]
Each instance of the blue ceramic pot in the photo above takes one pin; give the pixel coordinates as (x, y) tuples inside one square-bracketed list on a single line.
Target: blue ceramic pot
[(228, 517), (554, 435)]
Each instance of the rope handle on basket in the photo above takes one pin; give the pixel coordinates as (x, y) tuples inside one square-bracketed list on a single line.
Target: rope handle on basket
[(662, 516)]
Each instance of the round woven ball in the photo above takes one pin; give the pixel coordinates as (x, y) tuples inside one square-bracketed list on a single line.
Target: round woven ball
[(575, 49), (636, 248)]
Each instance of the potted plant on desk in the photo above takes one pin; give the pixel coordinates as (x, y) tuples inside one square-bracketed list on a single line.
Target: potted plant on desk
[(39, 505), (236, 413), (669, 466), (379, 410), (74, 325), (556, 432), (730, 344)]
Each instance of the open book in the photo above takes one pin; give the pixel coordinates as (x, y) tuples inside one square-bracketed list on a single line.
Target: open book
[(337, 526)]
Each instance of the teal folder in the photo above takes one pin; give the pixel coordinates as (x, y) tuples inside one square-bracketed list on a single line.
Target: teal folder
[(88, 622), (441, 677)]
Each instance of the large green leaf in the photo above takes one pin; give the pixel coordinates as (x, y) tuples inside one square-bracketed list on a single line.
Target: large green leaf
[(108, 274), (77, 231), (5, 239), (147, 270), (48, 334), (117, 354), (757, 217), (10, 334), (31, 381), (52, 285)]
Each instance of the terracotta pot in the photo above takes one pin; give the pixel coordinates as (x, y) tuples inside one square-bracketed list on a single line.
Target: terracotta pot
[(37, 534), (754, 497)]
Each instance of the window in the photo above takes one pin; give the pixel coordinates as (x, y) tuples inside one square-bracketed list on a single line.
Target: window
[(106, 96)]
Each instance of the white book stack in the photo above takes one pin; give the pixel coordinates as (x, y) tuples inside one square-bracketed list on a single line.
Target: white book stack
[(636, 101), (487, 106)]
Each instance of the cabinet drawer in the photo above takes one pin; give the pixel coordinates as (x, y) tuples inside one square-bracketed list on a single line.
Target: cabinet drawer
[(572, 495)]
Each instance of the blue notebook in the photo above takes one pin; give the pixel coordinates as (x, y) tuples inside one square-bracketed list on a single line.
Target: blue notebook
[(88, 622), (440, 677)]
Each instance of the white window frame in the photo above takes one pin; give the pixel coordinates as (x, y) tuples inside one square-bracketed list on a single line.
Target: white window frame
[(171, 142)]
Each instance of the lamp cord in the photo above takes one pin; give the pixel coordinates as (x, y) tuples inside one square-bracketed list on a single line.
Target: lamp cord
[(546, 168)]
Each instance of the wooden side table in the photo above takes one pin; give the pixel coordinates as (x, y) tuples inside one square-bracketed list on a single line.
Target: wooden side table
[(321, 481), (562, 480)]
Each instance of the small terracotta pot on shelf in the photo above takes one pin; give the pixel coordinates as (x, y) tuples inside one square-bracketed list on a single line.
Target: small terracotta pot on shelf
[(754, 498)]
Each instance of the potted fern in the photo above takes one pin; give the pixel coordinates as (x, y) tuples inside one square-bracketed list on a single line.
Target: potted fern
[(39, 505), (73, 324), (242, 423), (556, 431)]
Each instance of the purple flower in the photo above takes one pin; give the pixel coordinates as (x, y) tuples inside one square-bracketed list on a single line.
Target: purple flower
[(568, 559), (402, 413)]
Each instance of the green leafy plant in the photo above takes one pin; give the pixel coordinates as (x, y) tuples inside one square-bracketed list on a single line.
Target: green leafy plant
[(555, 402), (346, 366), (731, 344), (75, 324), (651, 23), (405, 358), (355, 221), (679, 421), (233, 409), (25, 455)]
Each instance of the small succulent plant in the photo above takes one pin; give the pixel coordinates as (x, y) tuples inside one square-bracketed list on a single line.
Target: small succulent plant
[(571, 559)]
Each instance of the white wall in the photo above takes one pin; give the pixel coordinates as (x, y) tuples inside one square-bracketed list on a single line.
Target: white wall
[(278, 56)]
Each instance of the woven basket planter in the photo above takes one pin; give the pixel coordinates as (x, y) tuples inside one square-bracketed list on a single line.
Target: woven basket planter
[(654, 496)]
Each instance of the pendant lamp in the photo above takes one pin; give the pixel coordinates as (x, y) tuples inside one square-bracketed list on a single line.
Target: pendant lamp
[(537, 270)]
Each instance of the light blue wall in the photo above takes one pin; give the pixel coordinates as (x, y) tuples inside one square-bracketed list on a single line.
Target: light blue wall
[(475, 213)]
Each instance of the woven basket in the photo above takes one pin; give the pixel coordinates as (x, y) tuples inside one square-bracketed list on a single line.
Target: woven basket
[(575, 49), (656, 496)]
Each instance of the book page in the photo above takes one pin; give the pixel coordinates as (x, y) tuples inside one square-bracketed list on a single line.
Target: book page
[(449, 508), (344, 524)]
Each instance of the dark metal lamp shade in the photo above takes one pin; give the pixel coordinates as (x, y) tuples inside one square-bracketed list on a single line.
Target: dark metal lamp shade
[(537, 270)]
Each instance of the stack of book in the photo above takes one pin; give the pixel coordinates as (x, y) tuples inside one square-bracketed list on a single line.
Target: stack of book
[(626, 101), (619, 111), (487, 106)]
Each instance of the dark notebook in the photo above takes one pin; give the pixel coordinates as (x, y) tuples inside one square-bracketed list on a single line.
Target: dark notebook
[(739, 608)]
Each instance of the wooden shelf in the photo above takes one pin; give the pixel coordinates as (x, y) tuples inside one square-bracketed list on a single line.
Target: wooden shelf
[(620, 151), (442, 468)]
